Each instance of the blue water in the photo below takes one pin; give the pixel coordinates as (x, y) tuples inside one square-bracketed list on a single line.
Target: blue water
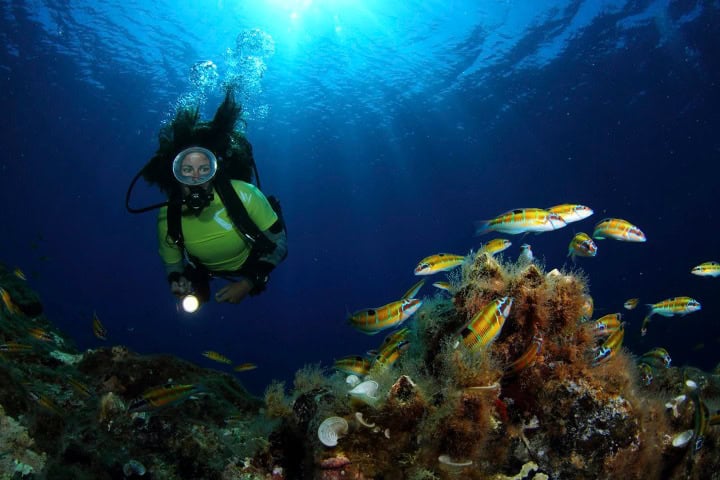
[(386, 129)]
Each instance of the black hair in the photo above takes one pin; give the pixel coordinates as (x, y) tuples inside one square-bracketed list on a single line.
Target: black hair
[(232, 149)]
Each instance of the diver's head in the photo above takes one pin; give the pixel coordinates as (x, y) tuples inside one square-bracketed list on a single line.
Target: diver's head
[(195, 168)]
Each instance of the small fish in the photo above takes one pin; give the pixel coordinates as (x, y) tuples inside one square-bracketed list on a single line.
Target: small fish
[(526, 254), (610, 347), (244, 367), (495, 245), (631, 303), (440, 262), (658, 357), (79, 387), (587, 308), (646, 373), (375, 320), (571, 212), (46, 404), (527, 359), (40, 334), (618, 229), (98, 328), (701, 420), (606, 325), (353, 365), (670, 307), (19, 274), (7, 300), (582, 245), (217, 357), (698, 346), (14, 347), (163, 396), (413, 291), (391, 351), (442, 286), (707, 269), (521, 220), (486, 324)]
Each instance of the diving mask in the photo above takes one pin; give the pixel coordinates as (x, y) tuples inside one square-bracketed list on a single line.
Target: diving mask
[(194, 166)]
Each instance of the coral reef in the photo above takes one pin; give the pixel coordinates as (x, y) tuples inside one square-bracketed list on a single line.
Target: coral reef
[(546, 395)]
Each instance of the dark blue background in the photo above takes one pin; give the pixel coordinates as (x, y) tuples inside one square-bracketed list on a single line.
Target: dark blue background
[(372, 176)]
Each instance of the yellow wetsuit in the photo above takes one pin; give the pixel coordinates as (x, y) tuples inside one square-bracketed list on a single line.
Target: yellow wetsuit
[(210, 237)]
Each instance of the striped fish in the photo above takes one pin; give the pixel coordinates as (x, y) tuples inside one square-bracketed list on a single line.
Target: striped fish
[(496, 245), (606, 325), (571, 212), (522, 220), (669, 308), (442, 286), (413, 291), (486, 325), (393, 346), (374, 320), (353, 364), (618, 229), (582, 245), (98, 328), (527, 359), (707, 269), (163, 396), (610, 347), (440, 262), (656, 358), (631, 303)]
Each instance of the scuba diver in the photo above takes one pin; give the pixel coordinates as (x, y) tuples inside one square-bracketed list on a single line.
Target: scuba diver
[(216, 222)]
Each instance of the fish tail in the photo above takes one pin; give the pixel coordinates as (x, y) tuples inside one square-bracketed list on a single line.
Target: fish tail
[(482, 227)]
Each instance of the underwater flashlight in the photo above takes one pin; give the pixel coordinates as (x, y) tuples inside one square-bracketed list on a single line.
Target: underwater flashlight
[(190, 303)]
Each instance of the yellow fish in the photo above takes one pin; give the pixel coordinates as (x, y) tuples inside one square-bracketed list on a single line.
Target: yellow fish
[(440, 262), (495, 245), (587, 308), (98, 328), (80, 387), (354, 364), (631, 303), (582, 245), (14, 347), (707, 269), (393, 347), (521, 220), (606, 325), (374, 320), (19, 274), (244, 367), (618, 229), (486, 324), (527, 359), (215, 356), (442, 286), (7, 300), (571, 212), (669, 308), (413, 291), (46, 403), (40, 334), (163, 396), (610, 347), (656, 358)]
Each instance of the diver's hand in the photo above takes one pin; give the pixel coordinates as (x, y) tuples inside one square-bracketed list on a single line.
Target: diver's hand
[(234, 292), (181, 286)]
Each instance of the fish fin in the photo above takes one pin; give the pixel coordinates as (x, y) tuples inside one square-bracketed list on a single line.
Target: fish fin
[(482, 227)]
